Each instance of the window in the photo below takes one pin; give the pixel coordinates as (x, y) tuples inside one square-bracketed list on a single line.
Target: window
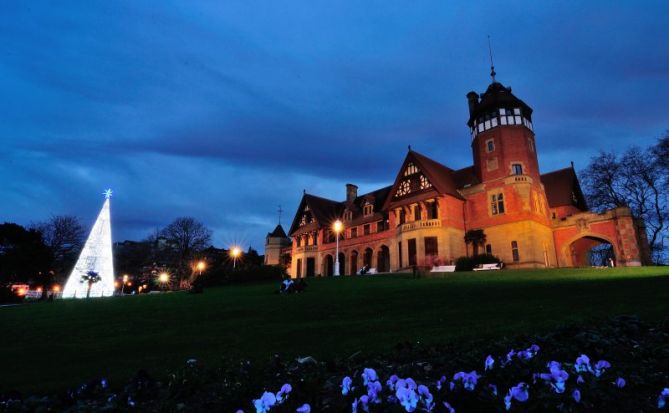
[(416, 212), (399, 252), (488, 249), (404, 188), (432, 210), (491, 145), (368, 209), (497, 204), (354, 232), (517, 169), (514, 251), (424, 182), (348, 215), (403, 217), (431, 247), (411, 169), (366, 229)]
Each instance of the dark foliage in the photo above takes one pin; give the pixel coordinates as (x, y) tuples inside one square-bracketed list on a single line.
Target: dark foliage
[(469, 263), (637, 351), (23, 255)]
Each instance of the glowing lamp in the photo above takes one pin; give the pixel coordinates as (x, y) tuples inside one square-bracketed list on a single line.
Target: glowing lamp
[(163, 277), (338, 226), (201, 266), (56, 288)]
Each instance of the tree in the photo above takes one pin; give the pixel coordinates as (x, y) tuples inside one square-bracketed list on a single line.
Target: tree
[(23, 255), (90, 278), (634, 179), (186, 237), (476, 237), (64, 236)]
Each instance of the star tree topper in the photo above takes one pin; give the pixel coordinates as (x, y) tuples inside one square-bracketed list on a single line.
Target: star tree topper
[(107, 193)]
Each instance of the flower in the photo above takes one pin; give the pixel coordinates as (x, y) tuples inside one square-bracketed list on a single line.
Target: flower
[(369, 375), (468, 379), (405, 391), (426, 397), (493, 389), (282, 395), (440, 382), (265, 402), (449, 408), (373, 390), (489, 362), (580, 380), (582, 364), (620, 382), (305, 408), (557, 376), (662, 400), (391, 381), (510, 355), (518, 392), (346, 386), (576, 394), (601, 366), (364, 402)]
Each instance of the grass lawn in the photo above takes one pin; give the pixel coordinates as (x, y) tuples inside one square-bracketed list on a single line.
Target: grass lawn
[(49, 346)]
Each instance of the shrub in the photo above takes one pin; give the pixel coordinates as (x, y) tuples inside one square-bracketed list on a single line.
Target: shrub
[(469, 263)]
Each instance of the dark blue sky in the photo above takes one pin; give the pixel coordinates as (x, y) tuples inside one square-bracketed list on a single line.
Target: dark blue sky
[(224, 110)]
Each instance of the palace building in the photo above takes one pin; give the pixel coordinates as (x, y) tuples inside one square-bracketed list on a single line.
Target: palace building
[(526, 218)]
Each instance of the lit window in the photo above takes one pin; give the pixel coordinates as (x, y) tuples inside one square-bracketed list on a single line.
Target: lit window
[(404, 188), (491, 145), (517, 169), (516, 111), (424, 183), (411, 169), (497, 204), (514, 251)]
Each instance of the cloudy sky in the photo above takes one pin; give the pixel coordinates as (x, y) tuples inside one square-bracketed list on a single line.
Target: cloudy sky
[(224, 110)]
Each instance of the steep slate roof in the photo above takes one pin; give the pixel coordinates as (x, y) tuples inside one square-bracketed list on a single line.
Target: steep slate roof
[(495, 97), (559, 186), (278, 232)]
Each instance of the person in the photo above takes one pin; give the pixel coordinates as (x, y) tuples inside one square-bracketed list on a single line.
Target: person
[(300, 285), (287, 285)]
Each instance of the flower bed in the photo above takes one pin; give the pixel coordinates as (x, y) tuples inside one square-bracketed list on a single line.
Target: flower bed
[(622, 365)]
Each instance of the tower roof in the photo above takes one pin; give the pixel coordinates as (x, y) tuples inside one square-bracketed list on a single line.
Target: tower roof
[(278, 232), (497, 96)]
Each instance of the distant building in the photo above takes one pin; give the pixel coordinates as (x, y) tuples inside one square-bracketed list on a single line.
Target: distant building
[(529, 219), (277, 244)]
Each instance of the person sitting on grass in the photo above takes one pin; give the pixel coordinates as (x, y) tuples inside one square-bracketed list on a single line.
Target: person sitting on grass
[(300, 285), (287, 285)]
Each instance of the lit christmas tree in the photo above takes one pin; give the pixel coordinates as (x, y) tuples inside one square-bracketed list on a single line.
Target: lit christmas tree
[(96, 257)]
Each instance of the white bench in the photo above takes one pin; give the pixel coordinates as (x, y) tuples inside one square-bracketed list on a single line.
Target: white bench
[(489, 267), (370, 271), (443, 268)]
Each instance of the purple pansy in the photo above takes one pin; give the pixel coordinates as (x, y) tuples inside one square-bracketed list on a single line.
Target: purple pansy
[(518, 392), (620, 382), (557, 377), (265, 402), (449, 408), (576, 394), (405, 391), (426, 397), (582, 364), (468, 379), (305, 408), (489, 363), (662, 400), (373, 390), (391, 382), (440, 382), (282, 394), (601, 366), (369, 375), (346, 386), (493, 389)]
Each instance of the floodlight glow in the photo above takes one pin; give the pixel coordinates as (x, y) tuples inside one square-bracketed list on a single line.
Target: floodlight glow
[(236, 252), (96, 256), (201, 265)]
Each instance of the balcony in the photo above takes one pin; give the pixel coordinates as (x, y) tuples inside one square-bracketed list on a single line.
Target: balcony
[(410, 226), (308, 248)]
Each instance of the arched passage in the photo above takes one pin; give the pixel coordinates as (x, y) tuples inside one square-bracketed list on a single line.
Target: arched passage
[(342, 263), (367, 258), (328, 266), (354, 262), (383, 259), (590, 250)]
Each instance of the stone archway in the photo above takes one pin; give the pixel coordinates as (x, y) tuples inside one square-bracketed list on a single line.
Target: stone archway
[(368, 257), (383, 259), (342, 263), (589, 249), (328, 265), (354, 262)]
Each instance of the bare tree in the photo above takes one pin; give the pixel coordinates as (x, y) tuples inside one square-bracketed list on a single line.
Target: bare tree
[(186, 237), (64, 236), (635, 180)]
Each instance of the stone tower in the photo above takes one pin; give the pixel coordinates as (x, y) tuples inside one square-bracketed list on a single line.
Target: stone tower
[(275, 242)]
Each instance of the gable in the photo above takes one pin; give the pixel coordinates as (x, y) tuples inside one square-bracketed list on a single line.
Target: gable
[(413, 180)]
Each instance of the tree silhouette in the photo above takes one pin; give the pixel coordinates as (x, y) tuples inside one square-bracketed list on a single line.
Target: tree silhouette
[(475, 237), (91, 278)]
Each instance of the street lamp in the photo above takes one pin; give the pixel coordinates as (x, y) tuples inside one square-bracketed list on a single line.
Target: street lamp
[(200, 267), (125, 281), (163, 278), (338, 227), (235, 252)]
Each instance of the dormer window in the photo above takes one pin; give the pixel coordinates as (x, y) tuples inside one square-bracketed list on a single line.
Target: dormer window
[(368, 209), (348, 215)]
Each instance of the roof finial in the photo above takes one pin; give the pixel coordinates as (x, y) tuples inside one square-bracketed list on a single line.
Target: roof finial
[(492, 66), (280, 211), (409, 148)]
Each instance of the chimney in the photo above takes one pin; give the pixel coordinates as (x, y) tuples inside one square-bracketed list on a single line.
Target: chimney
[(351, 192), (473, 99)]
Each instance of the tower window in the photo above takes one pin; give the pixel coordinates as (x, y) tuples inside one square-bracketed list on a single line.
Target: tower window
[(514, 251), (517, 169), (497, 204), (490, 145)]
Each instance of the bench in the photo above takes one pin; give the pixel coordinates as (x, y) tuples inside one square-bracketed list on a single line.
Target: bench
[(443, 268), (489, 267), (370, 271)]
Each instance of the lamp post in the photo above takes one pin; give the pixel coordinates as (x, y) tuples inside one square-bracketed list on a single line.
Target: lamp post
[(125, 281), (163, 278), (235, 252), (200, 267), (338, 226)]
